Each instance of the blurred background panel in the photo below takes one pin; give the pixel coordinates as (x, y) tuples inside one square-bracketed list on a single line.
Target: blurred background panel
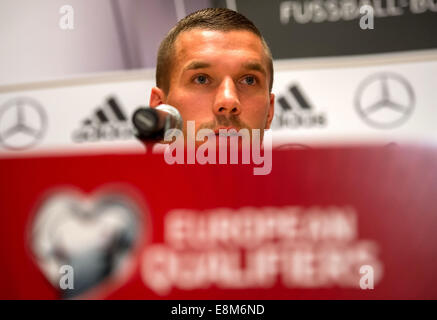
[(328, 28), (112, 35), (108, 35), (35, 48)]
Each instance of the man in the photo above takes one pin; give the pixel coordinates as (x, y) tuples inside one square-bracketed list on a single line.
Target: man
[(216, 69)]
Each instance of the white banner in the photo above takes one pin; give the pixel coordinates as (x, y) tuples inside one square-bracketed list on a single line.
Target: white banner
[(390, 103), (384, 104), (89, 118)]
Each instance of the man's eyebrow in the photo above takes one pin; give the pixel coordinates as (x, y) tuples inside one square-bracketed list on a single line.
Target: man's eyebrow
[(197, 65), (256, 66)]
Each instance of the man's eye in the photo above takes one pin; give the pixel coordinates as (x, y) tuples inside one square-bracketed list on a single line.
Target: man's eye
[(201, 79), (249, 80)]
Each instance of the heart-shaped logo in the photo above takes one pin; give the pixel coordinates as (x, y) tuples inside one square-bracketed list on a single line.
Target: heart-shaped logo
[(92, 236)]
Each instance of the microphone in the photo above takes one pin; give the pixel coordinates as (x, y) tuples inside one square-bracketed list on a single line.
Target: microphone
[(151, 123)]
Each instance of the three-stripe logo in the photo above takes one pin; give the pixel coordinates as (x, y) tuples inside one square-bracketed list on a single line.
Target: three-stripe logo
[(106, 123), (295, 110)]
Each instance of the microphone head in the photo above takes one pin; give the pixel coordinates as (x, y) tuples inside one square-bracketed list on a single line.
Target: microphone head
[(174, 112), (145, 121), (153, 123)]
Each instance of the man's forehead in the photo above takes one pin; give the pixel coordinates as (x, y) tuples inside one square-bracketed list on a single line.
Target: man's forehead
[(197, 42)]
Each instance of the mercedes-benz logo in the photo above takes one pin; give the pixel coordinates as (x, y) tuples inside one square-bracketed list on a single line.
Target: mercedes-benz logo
[(384, 100), (23, 123)]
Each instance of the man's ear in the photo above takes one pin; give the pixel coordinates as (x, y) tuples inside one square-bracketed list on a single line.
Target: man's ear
[(271, 111), (157, 97)]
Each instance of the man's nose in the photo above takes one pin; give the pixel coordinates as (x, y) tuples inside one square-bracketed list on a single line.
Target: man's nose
[(227, 102)]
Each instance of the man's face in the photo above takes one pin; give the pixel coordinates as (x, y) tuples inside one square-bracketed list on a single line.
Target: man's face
[(220, 80)]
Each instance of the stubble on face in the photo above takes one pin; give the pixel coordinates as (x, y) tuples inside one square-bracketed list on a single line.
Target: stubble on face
[(191, 45)]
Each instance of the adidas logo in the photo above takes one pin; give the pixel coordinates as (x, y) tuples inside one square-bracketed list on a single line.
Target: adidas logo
[(106, 123), (295, 110)]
